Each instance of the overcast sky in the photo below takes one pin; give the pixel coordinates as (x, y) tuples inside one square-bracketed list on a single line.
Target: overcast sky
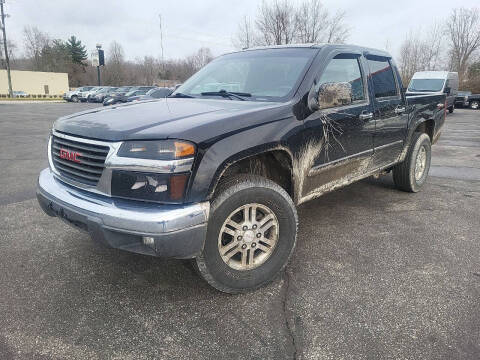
[(189, 25)]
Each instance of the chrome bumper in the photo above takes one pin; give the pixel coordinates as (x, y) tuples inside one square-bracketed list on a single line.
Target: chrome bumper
[(177, 230)]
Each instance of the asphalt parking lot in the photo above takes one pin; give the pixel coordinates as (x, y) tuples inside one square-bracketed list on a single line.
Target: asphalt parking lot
[(377, 273)]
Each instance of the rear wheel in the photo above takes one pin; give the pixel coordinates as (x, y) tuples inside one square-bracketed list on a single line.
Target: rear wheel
[(251, 234), (411, 174), (474, 104), (450, 109)]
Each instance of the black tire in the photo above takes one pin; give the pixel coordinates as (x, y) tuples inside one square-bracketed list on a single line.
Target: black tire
[(475, 105), (232, 194), (450, 109), (74, 98), (404, 173)]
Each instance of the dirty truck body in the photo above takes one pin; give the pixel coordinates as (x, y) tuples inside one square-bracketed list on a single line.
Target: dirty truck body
[(214, 172)]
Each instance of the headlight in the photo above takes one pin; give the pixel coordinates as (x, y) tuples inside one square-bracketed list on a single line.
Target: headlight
[(157, 150), (165, 188), (152, 170)]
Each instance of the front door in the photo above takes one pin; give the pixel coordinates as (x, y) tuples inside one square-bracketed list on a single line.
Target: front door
[(339, 139)]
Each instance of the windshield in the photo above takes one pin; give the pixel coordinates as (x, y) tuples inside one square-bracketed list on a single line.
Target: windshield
[(268, 75), (426, 85)]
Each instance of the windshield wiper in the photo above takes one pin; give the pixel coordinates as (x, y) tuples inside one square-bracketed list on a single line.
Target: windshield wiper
[(225, 93), (181, 95)]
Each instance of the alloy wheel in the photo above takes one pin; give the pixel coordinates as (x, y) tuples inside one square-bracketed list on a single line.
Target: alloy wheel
[(248, 236)]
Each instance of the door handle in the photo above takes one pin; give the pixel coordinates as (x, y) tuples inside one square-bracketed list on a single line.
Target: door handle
[(399, 109), (365, 116)]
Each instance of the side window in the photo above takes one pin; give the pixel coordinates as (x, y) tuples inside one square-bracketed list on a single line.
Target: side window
[(345, 68), (383, 80)]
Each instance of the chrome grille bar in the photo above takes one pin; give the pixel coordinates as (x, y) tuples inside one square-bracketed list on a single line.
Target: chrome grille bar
[(78, 160)]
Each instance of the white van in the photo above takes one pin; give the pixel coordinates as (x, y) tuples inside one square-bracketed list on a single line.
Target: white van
[(435, 82)]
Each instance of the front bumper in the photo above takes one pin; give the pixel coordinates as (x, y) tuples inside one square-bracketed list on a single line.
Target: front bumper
[(177, 230)]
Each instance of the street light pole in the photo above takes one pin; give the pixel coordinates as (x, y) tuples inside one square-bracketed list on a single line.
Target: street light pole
[(99, 47), (7, 60)]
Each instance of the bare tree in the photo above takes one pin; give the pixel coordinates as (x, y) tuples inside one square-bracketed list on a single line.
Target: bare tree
[(276, 22), (200, 59), (463, 29), (115, 66), (421, 52), (35, 41), (149, 69), (310, 21), (337, 30), (245, 36), (432, 47), (281, 22)]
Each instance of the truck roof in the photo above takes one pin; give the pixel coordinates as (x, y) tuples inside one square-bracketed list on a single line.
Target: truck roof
[(346, 47)]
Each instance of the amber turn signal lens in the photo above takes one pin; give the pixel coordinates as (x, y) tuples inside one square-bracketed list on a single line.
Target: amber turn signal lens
[(183, 149), (177, 186)]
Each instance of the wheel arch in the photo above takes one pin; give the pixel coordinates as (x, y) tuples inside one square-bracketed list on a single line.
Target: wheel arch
[(422, 125), (274, 163)]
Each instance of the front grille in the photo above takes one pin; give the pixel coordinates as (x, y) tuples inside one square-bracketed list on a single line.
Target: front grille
[(78, 160)]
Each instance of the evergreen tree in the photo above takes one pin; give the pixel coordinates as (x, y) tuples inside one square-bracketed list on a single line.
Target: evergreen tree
[(76, 50)]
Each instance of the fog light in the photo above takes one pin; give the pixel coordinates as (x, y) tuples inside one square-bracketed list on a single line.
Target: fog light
[(148, 240)]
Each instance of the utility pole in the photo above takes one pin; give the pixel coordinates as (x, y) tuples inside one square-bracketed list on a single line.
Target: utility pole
[(10, 91)]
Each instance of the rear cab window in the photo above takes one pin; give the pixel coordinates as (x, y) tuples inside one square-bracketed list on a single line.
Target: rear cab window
[(383, 78)]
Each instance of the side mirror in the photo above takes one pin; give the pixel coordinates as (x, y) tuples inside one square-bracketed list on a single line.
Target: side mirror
[(330, 95), (447, 90)]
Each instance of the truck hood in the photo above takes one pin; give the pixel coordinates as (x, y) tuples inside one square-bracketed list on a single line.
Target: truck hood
[(183, 118)]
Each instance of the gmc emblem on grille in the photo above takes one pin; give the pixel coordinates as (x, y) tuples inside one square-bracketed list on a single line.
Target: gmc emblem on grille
[(70, 155)]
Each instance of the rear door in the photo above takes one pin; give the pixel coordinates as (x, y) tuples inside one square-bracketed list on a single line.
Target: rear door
[(389, 110)]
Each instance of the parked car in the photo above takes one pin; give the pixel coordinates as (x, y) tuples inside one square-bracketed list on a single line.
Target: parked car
[(215, 175), (461, 100), (435, 82), (117, 93), (20, 94), (123, 98), (156, 93), (74, 94), (83, 96), (100, 95), (474, 101)]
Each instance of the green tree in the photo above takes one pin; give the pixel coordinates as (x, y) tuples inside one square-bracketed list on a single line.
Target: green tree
[(76, 50), (55, 56)]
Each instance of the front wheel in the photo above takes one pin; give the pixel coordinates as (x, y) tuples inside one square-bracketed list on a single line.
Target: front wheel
[(474, 105), (411, 174), (74, 98), (450, 109), (251, 234)]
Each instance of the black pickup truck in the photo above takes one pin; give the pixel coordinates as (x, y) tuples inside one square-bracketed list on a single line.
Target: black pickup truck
[(214, 172), (473, 101)]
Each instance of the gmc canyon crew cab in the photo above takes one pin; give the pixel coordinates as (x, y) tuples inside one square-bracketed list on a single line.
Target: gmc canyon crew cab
[(213, 172)]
